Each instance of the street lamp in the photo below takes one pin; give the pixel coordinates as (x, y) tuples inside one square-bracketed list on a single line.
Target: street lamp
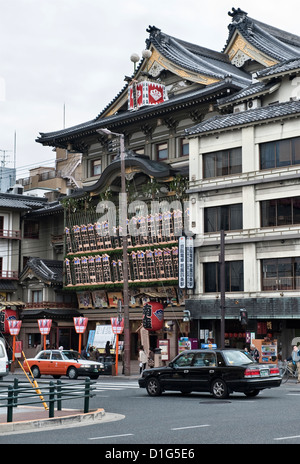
[(123, 222)]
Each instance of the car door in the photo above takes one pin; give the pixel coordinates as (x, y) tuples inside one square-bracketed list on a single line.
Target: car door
[(57, 363), (176, 377), (43, 362), (202, 370)]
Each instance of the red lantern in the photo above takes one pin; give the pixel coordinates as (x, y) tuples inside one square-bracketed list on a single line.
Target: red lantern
[(80, 324), (153, 315), (45, 326)]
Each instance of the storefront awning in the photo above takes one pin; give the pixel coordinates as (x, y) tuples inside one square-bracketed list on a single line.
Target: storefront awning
[(11, 303)]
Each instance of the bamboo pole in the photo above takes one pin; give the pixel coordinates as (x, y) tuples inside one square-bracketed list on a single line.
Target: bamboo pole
[(33, 383)]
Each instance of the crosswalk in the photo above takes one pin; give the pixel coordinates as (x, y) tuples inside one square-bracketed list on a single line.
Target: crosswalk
[(104, 386)]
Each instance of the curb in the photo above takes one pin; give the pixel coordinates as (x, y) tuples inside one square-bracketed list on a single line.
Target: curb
[(37, 424)]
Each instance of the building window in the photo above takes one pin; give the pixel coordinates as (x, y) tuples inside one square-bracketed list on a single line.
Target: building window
[(280, 153), (37, 296), (228, 217), (280, 212), (162, 151), (234, 277), (34, 339), (281, 274), (31, 229), (222, 163), (184, 148), (96, 167), (1, 224)]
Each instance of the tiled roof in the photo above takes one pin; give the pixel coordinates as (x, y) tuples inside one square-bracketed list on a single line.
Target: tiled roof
[(194, 58), (47, 209), (223, 122), (50, 271), (275, 43), (280, 68), (178, 100), (252, 90), (8, 286), (22, 202)]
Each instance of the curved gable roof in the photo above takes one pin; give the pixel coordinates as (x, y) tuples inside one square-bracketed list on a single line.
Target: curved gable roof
[(275, 43)]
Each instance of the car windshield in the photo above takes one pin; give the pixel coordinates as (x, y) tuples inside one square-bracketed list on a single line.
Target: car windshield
[(71, 355), (236, 358)]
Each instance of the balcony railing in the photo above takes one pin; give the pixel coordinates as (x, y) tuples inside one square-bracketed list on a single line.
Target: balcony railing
[(9, 275), (14, 234), (49, 304)]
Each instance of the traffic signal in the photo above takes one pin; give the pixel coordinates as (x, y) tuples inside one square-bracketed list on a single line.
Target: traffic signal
[(243, 317)]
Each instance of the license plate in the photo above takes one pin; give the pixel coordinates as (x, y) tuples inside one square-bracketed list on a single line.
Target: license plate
[(264, 372)]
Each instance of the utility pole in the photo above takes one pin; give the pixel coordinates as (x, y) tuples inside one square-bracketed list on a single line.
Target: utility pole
[(222, 286), (123, 223)]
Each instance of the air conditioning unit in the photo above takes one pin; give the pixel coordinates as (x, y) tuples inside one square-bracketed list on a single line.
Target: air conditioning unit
[(253, 104), (239, 108)]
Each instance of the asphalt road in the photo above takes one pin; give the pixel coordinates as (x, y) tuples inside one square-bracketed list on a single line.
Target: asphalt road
[(183, 423)]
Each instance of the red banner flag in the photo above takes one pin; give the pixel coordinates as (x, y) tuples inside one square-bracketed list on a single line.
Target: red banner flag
[(117, 325)]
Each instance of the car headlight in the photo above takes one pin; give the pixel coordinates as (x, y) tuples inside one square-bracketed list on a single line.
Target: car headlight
[(85, 366)]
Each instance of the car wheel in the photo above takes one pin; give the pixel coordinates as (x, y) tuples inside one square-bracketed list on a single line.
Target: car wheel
[(219, 389), (153, 387), (35, 372), (252, 393), (72, 373)]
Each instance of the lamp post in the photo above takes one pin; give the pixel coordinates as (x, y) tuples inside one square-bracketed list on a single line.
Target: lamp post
[(123, 223)]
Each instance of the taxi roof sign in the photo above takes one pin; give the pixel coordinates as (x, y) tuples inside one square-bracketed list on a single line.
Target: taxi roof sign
[(210, 346)]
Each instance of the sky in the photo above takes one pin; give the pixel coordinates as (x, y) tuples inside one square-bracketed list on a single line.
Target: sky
[(63, 61)]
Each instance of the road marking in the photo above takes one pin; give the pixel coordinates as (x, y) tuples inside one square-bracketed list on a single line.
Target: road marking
[(112, 436), (191, 427), (287, 438)]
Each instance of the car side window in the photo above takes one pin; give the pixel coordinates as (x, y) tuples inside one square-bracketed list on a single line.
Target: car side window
[(184, 360), (45, 355), (204, 359), (210, 359), (56, 356), (199, 360)]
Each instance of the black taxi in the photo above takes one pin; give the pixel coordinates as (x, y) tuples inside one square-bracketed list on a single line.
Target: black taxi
[(219, 372)]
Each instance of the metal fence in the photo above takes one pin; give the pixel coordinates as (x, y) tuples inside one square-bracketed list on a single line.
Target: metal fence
[(20, 394)]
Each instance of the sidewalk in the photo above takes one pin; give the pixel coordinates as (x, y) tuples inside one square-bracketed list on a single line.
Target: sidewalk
[(26, 418)]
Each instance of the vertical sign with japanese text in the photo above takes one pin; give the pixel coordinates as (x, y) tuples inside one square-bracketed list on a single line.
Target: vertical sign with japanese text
[(181, 263)]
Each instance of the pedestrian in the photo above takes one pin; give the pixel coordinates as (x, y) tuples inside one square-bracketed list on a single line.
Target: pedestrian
[(254, 353), (84, 353), (296, 359), (107, 348), (93, 356), (151, 359), (142, 359)]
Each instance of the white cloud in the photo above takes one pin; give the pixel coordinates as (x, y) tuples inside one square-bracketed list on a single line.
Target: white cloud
[(76, 52)]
